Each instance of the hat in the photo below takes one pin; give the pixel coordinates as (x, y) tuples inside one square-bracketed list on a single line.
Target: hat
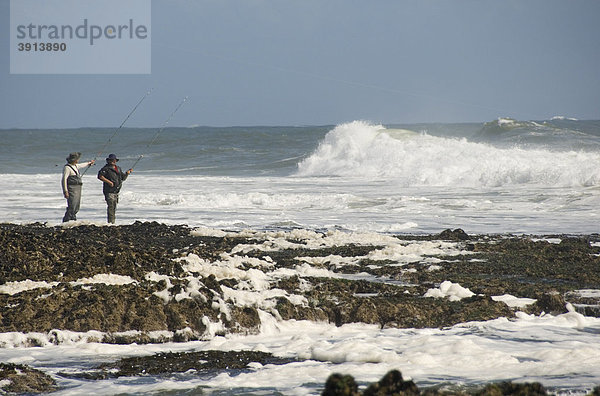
[(112, 157), (73, 156)]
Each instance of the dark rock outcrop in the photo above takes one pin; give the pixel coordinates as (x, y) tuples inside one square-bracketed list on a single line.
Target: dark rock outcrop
[(512, 389), (340, 385), (392, 384), (487, 265), (454, 235), (22, 379), (178, 362)]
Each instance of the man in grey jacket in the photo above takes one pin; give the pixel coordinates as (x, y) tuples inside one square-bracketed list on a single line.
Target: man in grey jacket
[(71, 185), (112, 177)]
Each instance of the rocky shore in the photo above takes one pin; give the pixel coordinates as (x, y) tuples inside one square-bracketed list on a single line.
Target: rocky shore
[(135, 277), (149, 282)]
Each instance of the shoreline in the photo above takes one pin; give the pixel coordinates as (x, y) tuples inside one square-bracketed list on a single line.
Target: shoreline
[(149, 283), (165, 277)]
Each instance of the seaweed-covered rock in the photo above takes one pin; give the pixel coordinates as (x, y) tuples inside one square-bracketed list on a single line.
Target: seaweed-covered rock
[(178, 362), (20, 379), (453, 235), (392, 384), (552, 302), (512, 389), (177, 283), (340, 385)]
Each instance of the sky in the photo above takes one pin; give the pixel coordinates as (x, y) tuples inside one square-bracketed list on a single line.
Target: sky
[(324, 62)]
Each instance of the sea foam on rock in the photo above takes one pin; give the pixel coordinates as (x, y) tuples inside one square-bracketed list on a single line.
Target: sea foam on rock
[(149, 282)]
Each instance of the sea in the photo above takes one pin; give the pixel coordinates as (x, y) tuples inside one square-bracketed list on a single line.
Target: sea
[(504, 176)]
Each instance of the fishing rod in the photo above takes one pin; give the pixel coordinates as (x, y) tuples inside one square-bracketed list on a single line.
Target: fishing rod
[(160, 130), (117, 129)]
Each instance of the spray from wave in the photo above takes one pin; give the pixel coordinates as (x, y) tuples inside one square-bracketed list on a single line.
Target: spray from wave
[(361, 149)]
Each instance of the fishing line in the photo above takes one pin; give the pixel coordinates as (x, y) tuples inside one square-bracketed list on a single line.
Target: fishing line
[(117, 129), (160, 130)]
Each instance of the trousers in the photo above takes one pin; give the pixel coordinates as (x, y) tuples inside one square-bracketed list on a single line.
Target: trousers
[(73, 202), (111, 201)]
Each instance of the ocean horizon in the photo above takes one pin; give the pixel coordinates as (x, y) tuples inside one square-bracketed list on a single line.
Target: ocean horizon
[(503, 176)]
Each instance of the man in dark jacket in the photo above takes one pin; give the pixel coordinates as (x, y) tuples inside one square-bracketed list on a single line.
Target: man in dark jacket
[(112, 177)]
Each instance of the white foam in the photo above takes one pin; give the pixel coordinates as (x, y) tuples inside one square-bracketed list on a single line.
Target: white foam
[(411, 200), (207, 231), (164, 294), (514, 302), (264, 299), (588, 293), (563, 118), (16, 287), (191, 291), (554, 241), (78, 223), (505, 121), (530, 348), (331, 260), (254, 277), (359, 149), (571, 319), (409, 252), (107, 279), (67, 337), (453, 291)]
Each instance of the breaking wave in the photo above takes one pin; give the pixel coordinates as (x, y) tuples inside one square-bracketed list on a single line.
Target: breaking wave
[(361, 149)]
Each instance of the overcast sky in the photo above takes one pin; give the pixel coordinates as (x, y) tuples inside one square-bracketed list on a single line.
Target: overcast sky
[(315, 62)]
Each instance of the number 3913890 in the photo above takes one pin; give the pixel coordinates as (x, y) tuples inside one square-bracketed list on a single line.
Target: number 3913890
[(42, 47)]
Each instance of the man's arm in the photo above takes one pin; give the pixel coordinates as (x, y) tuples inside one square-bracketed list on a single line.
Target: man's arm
[(84, 164), (105, 180), (125, 174)]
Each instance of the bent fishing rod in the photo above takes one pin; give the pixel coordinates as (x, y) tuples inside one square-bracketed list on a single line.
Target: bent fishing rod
[(160, 130), (117, 129)]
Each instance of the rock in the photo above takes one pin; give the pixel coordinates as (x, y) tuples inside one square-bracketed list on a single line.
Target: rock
[(392, 384), (582, 243), (453, 235), (340, 385), (521, 266), (552, 303), (511, 389), (19, 379), (178, 362)]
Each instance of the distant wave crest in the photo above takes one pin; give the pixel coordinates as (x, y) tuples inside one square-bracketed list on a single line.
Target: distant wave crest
[(361, 149)]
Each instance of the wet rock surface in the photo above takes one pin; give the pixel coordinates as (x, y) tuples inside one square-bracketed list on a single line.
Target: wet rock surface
[(201, 362), (172, 284), (22, 379), (359, 287), (392, 384), (64, 255)]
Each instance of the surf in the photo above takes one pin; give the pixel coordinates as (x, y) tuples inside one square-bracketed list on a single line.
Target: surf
[(415, 158)]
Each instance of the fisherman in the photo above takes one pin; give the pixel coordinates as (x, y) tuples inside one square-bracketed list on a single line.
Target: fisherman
[(112, 177), (71, 185)]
